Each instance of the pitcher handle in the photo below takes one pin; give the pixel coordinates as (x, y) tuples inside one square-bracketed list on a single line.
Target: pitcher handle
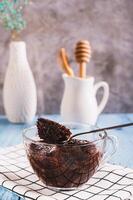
[(105, 97)]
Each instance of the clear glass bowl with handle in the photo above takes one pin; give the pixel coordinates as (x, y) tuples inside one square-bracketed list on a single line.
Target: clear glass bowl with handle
[(68, 166)]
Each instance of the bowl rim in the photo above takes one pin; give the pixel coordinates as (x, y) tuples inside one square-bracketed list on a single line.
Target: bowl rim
[(40, 141)]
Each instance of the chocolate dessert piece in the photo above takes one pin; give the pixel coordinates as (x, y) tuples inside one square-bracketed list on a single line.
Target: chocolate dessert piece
[(67, 165), (52, 132)]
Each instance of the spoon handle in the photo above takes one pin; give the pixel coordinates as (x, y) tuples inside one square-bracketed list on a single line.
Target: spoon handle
[(103, 129)]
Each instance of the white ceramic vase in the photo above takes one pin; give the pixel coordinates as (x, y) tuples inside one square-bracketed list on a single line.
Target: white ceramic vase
[(79, 103), (19, 92)]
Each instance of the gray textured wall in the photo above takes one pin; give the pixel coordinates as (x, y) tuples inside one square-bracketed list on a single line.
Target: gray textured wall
[(107, 24)]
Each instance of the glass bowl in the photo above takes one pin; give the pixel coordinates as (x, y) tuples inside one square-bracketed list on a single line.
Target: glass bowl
[(68, 166)]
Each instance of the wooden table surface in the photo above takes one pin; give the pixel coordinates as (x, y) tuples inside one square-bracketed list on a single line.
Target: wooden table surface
[(11, 134)]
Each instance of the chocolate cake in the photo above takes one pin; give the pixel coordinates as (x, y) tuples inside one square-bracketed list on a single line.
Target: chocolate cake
[(52, 132), (66, 165)]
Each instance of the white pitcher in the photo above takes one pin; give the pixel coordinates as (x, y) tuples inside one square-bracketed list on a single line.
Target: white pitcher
[(19, 93), (79, 103)]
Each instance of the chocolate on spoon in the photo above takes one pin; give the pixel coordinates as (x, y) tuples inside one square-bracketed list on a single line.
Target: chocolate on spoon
[(55, 133), (52, 132)]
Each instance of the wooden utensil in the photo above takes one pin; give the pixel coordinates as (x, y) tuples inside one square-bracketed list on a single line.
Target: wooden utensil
[(65, 62), (82, 55)]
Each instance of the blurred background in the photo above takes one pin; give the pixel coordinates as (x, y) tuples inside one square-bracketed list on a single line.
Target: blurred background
[(52, 24)]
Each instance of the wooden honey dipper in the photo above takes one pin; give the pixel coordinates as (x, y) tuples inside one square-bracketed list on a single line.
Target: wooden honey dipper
[(82, 55)]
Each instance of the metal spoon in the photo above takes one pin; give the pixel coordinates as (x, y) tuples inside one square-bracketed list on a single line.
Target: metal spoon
[(99, 130)]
